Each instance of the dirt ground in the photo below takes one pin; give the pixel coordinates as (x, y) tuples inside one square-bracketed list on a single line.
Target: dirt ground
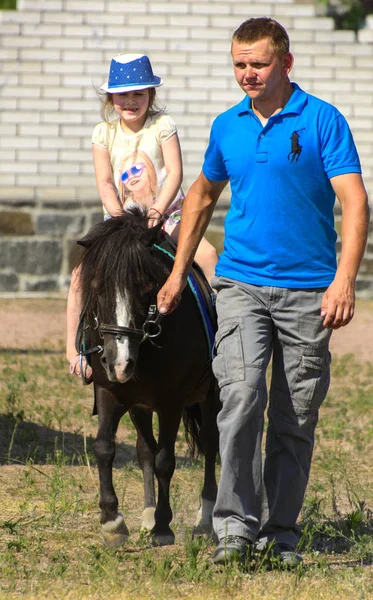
[(36, 323)]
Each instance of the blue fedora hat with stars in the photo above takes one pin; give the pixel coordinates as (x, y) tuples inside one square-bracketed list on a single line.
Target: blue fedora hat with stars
[(130, 72)]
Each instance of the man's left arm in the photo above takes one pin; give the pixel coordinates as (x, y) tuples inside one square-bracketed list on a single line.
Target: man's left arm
[(338, 304)]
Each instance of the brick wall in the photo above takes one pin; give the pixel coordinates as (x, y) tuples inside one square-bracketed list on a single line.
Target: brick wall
[(54, 54)]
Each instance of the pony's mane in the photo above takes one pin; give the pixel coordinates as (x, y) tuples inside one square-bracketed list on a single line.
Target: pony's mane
[(117, 256)]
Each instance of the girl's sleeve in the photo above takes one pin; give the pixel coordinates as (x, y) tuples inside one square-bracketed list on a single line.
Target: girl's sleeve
[(100, 135), (165, 129)]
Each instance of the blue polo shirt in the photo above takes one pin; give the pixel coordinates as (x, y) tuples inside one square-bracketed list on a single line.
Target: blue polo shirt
[(279, 230)]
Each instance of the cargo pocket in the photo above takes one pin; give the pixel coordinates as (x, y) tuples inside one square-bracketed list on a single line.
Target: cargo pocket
[(312, 380), (228, 363)]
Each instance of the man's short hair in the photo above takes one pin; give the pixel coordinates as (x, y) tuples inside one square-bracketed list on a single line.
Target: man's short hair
[(259, 28)]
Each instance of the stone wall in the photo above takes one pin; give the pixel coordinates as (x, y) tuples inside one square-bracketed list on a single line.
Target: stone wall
[(54, 54)]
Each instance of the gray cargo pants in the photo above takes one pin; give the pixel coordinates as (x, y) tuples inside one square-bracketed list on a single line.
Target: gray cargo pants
[(256, 324)]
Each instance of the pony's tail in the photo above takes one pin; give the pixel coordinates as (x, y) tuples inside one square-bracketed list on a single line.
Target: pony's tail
[(192, 425)]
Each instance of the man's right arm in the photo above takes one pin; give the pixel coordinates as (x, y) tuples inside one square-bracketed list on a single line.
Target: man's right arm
[(196, 214)]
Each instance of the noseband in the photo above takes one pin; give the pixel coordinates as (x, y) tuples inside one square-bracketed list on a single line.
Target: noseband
[(151, 327)]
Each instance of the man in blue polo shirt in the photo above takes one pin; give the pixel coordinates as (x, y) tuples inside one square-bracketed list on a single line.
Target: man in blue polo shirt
[(286, 155)]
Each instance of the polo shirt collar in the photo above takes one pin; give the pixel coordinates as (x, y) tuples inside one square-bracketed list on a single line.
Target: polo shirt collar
[(295, 104)]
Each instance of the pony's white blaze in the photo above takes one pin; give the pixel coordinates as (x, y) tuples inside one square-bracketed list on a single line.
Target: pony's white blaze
[(123, 316)]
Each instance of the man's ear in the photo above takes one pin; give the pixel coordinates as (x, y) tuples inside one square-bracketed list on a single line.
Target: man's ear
[(287, 63)]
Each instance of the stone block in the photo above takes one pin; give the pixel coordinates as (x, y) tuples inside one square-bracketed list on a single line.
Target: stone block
[(9, 282), (51, 224), (95, 218), (366, 267), (79, 6), (16, 194), (39, 5), (74, 254), (63, 17), (169, 7), (218, 8), (49, 30), (16, 223), (34, 257), (63, 43), (114, 7), (365, 36), (42, 285), (364, 285)]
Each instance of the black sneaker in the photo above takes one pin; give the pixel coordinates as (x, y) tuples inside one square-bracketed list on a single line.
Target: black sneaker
[(286, 554), (232, 547)]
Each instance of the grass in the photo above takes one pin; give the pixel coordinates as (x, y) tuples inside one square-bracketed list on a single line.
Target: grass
[(50, 542), (8, 4)]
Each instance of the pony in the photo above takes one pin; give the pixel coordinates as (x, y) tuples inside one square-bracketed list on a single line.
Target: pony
[(145, 364)]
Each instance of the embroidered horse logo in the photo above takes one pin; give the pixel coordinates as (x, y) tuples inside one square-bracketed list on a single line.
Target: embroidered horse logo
[(296, 148)]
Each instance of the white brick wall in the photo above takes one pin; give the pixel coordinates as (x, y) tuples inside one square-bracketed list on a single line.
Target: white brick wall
[(53, 54)]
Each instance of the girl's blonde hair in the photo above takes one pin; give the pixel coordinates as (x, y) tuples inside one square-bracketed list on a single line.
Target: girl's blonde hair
[(109, 115)]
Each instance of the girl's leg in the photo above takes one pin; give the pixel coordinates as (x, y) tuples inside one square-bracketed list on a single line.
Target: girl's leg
[(72, 321), (206, 255)]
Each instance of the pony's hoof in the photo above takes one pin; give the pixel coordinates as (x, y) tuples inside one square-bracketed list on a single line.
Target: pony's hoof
[(203, 524), (115, 533), (163, 539), (148, 520)]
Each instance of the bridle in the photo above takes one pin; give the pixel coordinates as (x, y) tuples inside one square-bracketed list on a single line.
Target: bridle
[(150, 330)]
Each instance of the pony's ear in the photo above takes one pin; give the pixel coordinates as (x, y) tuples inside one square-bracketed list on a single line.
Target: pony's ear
[(151, 235), (96, 232), (85, 241)]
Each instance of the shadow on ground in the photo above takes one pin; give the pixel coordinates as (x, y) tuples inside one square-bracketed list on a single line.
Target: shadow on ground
[(23, 441)]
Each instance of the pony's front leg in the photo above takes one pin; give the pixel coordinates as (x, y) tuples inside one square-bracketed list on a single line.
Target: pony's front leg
[(114, 530), (162, 534), (146, 448), (210, 442)]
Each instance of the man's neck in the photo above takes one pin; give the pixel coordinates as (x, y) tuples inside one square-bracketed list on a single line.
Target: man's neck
[(266, 109)]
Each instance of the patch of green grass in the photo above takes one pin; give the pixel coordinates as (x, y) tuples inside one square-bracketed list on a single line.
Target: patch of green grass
[(8, 4)]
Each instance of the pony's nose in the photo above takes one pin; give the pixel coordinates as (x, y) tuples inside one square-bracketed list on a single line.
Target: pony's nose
[(124, 372)]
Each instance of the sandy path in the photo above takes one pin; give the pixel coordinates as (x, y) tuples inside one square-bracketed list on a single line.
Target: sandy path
[(35, 323)]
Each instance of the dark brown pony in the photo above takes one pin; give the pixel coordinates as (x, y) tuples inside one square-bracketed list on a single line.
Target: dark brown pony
[(142, 364)]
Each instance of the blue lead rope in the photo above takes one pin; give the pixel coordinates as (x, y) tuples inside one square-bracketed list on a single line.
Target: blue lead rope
[(208, 327)]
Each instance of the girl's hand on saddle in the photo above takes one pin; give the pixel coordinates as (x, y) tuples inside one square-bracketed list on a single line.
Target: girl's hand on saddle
[(169, 295), (154, 216)]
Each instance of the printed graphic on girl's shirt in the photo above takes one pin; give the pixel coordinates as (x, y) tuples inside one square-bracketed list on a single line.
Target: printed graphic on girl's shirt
[(138, 180)]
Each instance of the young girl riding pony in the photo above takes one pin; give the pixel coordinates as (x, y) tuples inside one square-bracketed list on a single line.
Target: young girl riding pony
[(137, 159)]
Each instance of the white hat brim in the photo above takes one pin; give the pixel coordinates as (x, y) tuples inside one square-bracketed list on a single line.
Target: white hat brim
[(128, 88)]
